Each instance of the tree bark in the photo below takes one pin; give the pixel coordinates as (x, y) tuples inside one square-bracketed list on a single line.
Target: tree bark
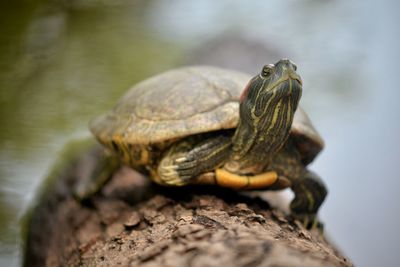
[(133, 222)]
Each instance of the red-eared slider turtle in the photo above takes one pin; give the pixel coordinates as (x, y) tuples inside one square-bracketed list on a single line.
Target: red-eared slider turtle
[(204, 125)]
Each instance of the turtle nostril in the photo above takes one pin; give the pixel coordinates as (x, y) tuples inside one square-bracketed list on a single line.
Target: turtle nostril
[(285, 60), (290, 64)]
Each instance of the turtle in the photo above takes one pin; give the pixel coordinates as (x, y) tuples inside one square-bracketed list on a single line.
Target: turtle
[(209, 125)]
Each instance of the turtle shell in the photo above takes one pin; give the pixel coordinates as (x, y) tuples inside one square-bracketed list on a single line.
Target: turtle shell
[(188, 101), (305, 136)]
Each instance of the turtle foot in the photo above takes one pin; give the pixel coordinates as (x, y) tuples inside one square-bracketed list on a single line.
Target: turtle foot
[(309, 221)]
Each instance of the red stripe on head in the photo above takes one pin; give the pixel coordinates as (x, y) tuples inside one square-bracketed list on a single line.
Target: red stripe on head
[(245, 92)]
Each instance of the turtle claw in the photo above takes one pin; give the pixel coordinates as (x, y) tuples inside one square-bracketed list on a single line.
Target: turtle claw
[(170, 175), (171, 167), (180, 160), (309, 221)]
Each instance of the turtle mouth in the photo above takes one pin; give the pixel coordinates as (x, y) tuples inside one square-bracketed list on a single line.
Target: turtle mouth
[(295, 85), (295, 77), (288, 85), (291, 77), (288, 79)]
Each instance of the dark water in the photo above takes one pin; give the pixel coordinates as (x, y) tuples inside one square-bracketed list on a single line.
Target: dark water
[(63, 62)]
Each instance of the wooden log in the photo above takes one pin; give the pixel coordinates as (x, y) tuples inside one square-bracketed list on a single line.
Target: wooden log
[(133, 222)]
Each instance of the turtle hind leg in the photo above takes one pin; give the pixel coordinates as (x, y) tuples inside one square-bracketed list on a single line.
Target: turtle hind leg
[(310, 193), (189, 158), (98, 172)]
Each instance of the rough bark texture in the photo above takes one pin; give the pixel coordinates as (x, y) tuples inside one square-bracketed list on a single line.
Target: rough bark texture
[(133, 222)]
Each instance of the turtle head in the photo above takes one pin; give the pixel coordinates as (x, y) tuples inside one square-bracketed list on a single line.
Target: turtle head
[(267, 107), (274, 83)]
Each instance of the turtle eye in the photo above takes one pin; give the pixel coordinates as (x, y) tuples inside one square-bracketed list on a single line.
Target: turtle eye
[(267, 70)]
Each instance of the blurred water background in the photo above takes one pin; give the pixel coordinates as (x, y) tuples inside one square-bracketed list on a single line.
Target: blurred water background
[(63, 62)]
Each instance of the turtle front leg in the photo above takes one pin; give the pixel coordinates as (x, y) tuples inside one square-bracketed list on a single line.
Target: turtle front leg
[(200, 162), (189, 158), (310, 193)]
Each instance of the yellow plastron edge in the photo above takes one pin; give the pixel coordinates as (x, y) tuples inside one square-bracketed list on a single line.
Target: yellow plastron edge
[(228, 179)]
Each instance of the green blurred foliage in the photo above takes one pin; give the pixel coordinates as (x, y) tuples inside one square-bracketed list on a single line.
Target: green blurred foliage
[(62, 63)]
